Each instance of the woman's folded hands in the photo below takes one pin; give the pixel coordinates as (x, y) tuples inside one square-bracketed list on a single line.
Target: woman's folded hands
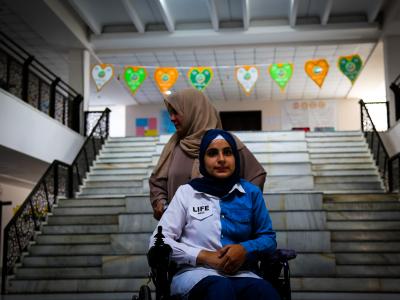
[(228, 259)]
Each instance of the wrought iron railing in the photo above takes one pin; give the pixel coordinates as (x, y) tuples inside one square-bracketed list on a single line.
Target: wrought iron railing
[(26, 78), (91, 118), (388, 167), (60, 179)]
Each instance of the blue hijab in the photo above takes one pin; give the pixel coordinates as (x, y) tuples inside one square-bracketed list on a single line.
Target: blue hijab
[(211, 185)]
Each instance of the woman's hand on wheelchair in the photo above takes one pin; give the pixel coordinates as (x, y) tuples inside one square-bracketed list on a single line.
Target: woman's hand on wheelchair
[(235, 255)]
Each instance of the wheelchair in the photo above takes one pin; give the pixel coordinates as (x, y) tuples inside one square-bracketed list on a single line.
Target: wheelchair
[(273, 267)]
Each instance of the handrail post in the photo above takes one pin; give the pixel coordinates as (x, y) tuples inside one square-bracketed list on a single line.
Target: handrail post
[(390, 175), (52, 104), (70, 185), (3, 278), (388, 114), (75, 116), (361, 114), (25, 78), (55, 182), (107, 122)]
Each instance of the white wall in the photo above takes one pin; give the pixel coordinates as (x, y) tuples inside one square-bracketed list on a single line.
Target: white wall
[(347, 113), (27, 130), (391, 139), (117, 119)]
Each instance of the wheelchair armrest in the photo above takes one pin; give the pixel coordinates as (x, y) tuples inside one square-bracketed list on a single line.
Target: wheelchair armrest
[(271, 265)]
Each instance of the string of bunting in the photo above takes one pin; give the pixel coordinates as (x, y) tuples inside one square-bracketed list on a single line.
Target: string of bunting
[(246, 75)]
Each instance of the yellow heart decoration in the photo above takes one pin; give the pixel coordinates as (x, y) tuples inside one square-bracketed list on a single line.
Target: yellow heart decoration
[(317, 70), (165, 78)]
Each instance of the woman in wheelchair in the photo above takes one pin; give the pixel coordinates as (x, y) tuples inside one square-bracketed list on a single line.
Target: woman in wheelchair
[(217, 227)]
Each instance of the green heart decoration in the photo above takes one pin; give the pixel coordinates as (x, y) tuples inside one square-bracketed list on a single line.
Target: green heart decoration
[(281, 73), (200, 77), (134, 76), (350, 66)]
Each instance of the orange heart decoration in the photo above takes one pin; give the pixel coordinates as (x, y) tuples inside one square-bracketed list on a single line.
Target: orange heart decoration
[(165, 78), (317, 70)]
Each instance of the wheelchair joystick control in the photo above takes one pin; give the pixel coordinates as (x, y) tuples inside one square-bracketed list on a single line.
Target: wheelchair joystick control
[(159, 255)]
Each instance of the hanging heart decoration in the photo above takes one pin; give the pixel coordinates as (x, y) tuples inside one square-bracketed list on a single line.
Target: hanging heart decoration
[(200, 77), (281, 74), (101, 74), (350, 66), (317, 70), (247, 77), (165, 78), (134, 76)]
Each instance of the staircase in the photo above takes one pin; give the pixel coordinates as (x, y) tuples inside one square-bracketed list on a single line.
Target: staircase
[(94, 246), (342, 162)]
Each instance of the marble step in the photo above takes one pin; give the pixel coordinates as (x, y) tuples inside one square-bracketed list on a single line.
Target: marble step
[(79, 229), (363, 215), (353, 186), (137, 154), (267, 147), (64, 261), (340, 155), (81, 249), (112, 266), (360, 197), (344, 296), (341, 160), (351, 178), (365, 235), (392, 271), (123, 160), (339, 150), (345, 173), (127, 284), (95, 177), (293, 201), (82, 219), (116, 170), (334, 134), (354, 206), (72, 296), (330, 144), (43, 239), (128, 143), (117, 182), (293, 157), (338, 284), (111, 191), (148, 147), (93, 210), (366, 246), (270, 136), (365, 258), (279, 169), (348, 167), (141, 165), (289, 183), (363, 225), (88, 202)]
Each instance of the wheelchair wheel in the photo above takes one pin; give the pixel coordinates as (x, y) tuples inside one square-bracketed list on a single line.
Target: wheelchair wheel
[(144, 293)]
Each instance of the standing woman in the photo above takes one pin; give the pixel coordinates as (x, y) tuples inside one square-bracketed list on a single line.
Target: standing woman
[(217, 226), (192, 114)]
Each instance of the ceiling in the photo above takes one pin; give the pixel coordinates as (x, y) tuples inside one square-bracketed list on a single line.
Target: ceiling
[(185, 33)]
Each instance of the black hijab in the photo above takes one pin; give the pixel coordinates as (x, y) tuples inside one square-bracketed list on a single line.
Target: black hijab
[(209, 184)]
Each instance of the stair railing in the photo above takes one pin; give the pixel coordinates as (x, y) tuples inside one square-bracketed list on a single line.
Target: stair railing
[(25, 77), (60, 179), (388, 167)]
